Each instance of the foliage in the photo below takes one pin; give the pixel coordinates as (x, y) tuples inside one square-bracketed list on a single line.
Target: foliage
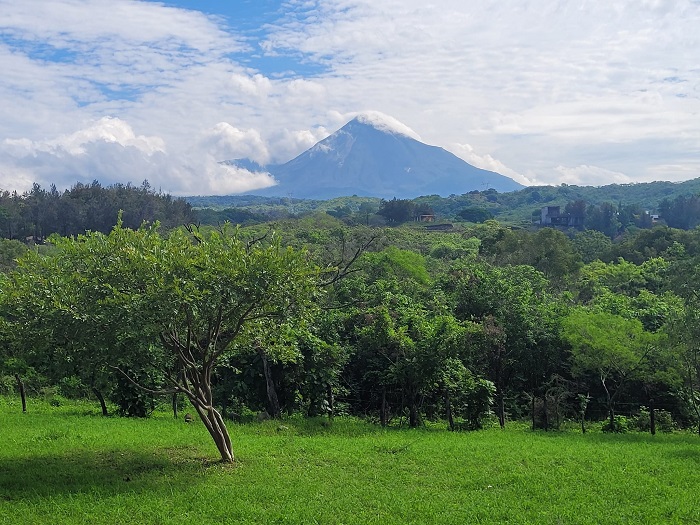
[(36, 214), (683, 212), (612, 349), (397, 211), (176, 303), (423, 320), (10, 250), (395, 263), (592, 245), (474, 214), (451, 250), (618, 425), (547, 250), (663, 419)]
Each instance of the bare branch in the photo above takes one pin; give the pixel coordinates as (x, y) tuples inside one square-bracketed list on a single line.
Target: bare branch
[(342, 270), (146, 389), (256, 240), (193, 230)]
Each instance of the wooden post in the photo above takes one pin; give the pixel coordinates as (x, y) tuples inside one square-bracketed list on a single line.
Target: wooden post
[(22, 395)]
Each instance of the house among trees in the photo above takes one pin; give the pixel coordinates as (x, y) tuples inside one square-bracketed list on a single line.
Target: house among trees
[(552, 216)]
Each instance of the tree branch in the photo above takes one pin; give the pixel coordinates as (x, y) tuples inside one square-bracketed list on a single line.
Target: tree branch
[(343, 270), (145, 389)]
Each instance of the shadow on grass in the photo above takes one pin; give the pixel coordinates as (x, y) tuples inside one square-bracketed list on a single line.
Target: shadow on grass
[(105, 472)]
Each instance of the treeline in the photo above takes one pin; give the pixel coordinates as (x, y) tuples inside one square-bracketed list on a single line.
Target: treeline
[(513, 206), (609, 218), (580, 209), (36, 214), (399, 325)]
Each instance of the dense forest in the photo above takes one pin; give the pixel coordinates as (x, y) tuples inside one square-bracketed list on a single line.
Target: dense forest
[(36, 214), (324, 316)]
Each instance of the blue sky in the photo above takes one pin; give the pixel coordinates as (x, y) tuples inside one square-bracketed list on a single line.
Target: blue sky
[(561, 91)]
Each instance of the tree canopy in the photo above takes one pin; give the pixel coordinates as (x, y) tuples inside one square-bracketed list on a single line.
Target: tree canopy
[(178, 303)]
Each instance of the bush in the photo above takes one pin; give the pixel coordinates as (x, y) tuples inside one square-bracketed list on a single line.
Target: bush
[(52, 396), (132, 401), (620, 426), (72, 387), (475, 404), (7, 385), (664, 421)]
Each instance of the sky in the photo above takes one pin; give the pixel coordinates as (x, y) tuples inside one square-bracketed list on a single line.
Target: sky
[(554, 92)]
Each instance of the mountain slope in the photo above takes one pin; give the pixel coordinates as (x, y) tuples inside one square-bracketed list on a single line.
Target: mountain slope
[(378, 157)]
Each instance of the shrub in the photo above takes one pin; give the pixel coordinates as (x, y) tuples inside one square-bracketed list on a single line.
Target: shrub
[(621, 425), (664, 420)]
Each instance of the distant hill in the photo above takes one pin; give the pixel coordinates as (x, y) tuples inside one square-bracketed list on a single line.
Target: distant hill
[(512, 207), (375, 156)]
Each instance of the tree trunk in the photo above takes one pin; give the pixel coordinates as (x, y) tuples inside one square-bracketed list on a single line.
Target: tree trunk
[(413, 417), (275, 410), (652, 417), (198, 391), (532, 412), (174, 405), (545, 415), (609, 400), (500, 395), (101, 399), (501, 408), (382, 409), (448, 410), (217, 429), (331, 401), (22, 394)]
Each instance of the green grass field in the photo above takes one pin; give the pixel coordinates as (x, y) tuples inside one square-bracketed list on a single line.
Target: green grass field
[(69, 465)]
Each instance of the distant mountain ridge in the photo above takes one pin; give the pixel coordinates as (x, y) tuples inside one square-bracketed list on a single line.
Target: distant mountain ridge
[(376, 156)]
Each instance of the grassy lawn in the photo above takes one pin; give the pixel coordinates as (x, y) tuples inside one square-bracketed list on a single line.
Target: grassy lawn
[(69, 465)]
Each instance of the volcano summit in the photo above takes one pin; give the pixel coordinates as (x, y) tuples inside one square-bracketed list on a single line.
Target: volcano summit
[(376, 156)]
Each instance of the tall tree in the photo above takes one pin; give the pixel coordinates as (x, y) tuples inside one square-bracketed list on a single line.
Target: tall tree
[(518, 317)]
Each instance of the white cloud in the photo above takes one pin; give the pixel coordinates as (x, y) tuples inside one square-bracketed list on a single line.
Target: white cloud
[(256, 85), (289, 143), (569, 89), (592, 175), (524, 82), (486, 162), (109, 130), (213, 178), (109, 148), (386, 123), (226, 142)]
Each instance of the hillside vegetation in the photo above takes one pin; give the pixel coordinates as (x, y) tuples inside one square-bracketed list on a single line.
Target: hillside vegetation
[(517, 207)]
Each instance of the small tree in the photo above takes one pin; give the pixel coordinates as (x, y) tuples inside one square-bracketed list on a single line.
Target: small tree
[(396, 210), (610, 346), (176, 302)]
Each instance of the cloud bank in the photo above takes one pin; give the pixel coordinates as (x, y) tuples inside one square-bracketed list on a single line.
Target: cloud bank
[(571, 91)]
